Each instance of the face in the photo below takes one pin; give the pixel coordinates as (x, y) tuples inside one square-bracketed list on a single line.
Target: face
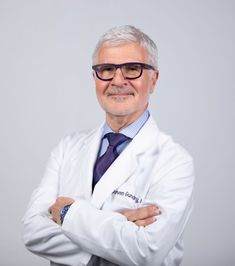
[(120, 96)]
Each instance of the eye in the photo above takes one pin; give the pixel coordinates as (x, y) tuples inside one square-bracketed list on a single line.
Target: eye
[(132, 68), (106, 68)]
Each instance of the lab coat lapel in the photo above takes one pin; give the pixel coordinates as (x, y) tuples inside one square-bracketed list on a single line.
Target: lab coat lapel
[(116, 174), (127, 162), (86, 164)]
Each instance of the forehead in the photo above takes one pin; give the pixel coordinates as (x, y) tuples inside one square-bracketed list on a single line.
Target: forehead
[(130, 52)]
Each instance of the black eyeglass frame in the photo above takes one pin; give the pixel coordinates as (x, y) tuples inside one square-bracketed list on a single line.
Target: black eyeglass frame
[(116, 66)]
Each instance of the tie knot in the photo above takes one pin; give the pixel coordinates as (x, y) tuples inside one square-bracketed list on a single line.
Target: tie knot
[(115, 139)]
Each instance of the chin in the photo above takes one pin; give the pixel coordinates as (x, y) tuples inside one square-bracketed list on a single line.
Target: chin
[(119, 109), (118, 113)]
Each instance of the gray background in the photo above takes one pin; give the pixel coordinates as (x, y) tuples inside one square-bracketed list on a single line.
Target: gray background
[(47, 92)]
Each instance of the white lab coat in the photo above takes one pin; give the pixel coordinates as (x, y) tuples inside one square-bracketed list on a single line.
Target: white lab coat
[(152, 169)]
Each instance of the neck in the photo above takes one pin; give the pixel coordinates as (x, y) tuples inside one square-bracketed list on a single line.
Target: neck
[(117, 123)]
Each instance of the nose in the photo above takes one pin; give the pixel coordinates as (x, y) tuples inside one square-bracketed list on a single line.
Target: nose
[(118, 79)]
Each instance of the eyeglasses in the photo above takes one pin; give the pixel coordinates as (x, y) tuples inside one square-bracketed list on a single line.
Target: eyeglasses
[(132, 70)]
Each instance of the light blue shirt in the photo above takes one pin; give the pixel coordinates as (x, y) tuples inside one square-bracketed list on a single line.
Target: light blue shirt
[(129, 131)]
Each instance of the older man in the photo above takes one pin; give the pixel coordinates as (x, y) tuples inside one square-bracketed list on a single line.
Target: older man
[(120, 194)]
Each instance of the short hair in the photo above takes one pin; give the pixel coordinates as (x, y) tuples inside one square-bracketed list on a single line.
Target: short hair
[(127, 34)]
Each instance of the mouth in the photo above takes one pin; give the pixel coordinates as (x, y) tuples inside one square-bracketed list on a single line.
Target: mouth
[(121, 94)]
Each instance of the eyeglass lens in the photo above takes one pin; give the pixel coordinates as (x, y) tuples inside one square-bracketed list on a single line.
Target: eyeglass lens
[(130, 71)]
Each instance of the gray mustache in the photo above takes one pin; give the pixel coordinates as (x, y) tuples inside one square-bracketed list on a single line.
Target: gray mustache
[(118, 90)]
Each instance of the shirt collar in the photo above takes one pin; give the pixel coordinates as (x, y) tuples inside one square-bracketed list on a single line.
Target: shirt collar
[(131, 130)]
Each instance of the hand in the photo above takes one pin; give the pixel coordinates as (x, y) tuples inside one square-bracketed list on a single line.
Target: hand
[(142, 216), (56, 208)]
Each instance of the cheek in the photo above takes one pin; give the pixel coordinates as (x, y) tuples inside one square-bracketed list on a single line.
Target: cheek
[(100, 92), (143, 88), (101, 85), (100, 88)]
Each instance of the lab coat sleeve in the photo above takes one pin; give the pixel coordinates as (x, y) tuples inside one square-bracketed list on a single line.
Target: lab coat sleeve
[(110, 236), (41, 235)]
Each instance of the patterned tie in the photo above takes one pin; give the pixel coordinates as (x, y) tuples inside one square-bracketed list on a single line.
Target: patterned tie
[(104, 161)]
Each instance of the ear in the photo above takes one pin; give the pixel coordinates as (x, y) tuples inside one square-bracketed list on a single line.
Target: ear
[(155, 77), (154, 80), (93, 74)]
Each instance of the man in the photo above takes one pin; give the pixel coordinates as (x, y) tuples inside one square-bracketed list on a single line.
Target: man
[(120, 194)]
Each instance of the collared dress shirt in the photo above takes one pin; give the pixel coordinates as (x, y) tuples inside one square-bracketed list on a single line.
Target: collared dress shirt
[(129, 131)]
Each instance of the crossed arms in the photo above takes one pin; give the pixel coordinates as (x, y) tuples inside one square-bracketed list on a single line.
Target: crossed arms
[(142, 216)]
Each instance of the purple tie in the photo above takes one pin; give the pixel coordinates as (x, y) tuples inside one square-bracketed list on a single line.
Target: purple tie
[(104, 161)]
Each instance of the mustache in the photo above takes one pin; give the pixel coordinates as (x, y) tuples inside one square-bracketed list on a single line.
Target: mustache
[(119, 90)]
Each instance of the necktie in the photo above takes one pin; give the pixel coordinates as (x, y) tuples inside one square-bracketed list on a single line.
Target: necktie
[(104, 161)]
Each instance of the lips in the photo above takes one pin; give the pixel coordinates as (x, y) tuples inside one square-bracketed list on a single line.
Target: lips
[(120, 94)]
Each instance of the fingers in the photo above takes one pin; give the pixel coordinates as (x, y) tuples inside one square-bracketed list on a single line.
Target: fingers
[(142, 216), (145, 222), (55, 213), (141, 213), (56, 208)]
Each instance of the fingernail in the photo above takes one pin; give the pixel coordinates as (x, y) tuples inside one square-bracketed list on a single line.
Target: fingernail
[(156, 211)]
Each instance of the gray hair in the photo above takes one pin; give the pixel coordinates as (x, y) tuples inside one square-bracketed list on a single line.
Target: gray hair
[(127, 34)]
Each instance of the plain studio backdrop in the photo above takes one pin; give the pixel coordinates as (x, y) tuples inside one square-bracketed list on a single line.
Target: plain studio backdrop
[(47, 92)]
